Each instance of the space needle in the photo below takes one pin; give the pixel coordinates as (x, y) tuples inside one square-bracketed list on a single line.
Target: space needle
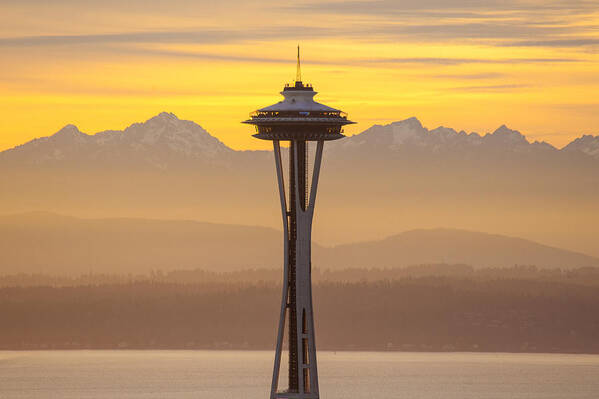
[(298, 120)]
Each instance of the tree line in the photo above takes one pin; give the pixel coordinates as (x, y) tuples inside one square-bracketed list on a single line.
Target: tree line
[(583, 276), (414, 313)]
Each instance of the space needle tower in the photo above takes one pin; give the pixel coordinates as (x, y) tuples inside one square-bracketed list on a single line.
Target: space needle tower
[(300, 121)]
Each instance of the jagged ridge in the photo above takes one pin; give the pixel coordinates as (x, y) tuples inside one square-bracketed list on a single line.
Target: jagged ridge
[(158, 141), (165, 139)]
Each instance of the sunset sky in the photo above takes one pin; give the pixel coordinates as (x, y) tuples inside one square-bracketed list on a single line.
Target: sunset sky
[(466, 64)]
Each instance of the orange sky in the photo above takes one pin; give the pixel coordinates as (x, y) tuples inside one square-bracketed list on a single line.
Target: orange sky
[(466, 64)]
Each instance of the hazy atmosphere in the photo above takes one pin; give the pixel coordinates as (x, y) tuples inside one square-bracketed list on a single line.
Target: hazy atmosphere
[(151, 248)]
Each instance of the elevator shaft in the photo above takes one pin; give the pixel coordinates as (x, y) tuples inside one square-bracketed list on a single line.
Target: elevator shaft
[(297, 155)]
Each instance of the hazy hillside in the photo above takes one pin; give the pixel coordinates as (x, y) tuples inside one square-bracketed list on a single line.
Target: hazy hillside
[(49, 243), (453, 247), (54, 244), (390, 178), (403, 176)]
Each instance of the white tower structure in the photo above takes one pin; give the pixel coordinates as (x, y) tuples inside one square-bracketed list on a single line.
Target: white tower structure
[(299, 120)]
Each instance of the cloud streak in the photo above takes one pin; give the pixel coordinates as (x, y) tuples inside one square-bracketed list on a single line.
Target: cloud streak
[(554, 43), (472, 76), (140, 44), (441, 7), (502, 87), (207, 36), (533, 23), (384, 33), (504, 23), (460, 61), (439, 61)]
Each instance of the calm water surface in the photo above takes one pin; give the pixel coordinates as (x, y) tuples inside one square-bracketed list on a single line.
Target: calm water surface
[(246, 375)]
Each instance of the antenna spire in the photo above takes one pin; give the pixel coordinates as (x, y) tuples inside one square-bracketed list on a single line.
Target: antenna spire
[(298, 73)]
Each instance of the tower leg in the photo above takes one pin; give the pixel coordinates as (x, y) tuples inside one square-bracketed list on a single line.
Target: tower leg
[(285, 295)]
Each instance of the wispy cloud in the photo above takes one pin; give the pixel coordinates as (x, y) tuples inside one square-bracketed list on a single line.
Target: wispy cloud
[(126, 37), (527, 23), (441, 61), (554, 43), (460, 61), (144, 43), (202, 36), (514, 31), (203, 55), (503, 87), (471, 76), (530, 23), (469, 7)]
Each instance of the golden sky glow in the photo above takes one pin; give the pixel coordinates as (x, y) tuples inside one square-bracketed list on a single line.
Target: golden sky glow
[(467, 64)]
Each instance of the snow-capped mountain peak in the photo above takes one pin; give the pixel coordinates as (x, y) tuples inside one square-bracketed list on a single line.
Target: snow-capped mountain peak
[(408, 129), (586, 144), (507, 136), (166, 140), (165, 116), (409, 135), (69, 135), (68, 130), (409, 139), (181, 136), (161, 141)]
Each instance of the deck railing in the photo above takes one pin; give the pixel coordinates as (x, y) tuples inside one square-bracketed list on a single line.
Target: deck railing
[(298, 114)]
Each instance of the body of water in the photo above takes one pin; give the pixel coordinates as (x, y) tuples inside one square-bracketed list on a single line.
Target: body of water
[(343, 375)]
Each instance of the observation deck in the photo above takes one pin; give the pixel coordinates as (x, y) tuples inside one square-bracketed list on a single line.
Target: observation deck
[(298, 117)]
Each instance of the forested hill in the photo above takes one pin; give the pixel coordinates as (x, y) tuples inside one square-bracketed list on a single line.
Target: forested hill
[(556, 313)]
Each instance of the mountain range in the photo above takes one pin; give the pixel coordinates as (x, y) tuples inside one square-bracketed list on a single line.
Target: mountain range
[(159, 142), (53, 244), (389, 178), (165, 141)]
